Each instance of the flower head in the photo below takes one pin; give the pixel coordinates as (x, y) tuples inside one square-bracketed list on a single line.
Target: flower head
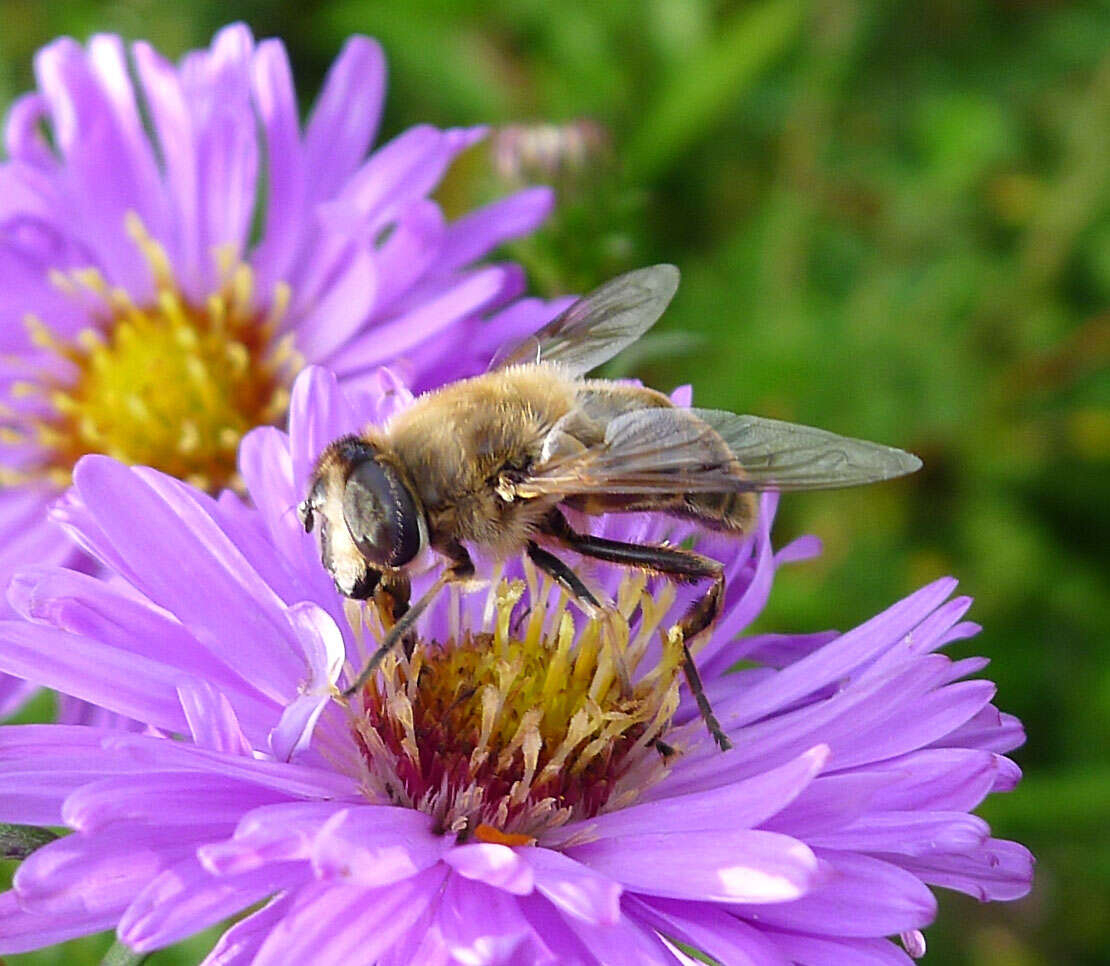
[(495, 796)]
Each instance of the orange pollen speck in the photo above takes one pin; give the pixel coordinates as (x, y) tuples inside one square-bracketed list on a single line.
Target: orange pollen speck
[(167, 383), (487, 833), (505, 732)]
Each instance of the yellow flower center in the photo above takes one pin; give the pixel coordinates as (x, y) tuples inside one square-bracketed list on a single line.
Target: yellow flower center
[(169, 384), (526, 725)]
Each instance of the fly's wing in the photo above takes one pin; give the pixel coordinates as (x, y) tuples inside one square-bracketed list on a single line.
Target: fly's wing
[(707, 451), (598, 325)]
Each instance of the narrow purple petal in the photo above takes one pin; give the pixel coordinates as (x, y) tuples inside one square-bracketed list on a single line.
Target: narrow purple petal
[(341, 314), (240, 944), (935, 714), (1008, 775), (574, 888), (804, 548), (22, 931), (86, 606), (212, 720), (997, 871), (23, 131), (711, 929), (719, 866), (990, 729), (128, 684), (40, 765), (336, 924), (376, 845), (625, 943), (861, 896), (184, 562), (772, 650), (296, 780), (185, 899), (276, 103), (318, 413), (399, 336), (483, 926), (346, 115), (164, 798), (742, 804), (267, 469), (406, 168), (274, 833), (495, 865), (828, 951), (908, 833), (479, 232), (842, 656), (109, 166), (412, 248), (939, 779), (324, 652), (170, 117), (100, 872), (830, 802), (292, 735)]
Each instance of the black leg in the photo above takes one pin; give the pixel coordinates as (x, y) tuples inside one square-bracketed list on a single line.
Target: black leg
[(461, 568), (565, 578), (684, 565)]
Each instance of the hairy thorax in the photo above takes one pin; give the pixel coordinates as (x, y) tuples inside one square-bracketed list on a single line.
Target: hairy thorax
[(457, 441)]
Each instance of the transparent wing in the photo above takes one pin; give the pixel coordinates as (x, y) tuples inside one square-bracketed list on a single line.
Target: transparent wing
[(598, 325), (708, 451)]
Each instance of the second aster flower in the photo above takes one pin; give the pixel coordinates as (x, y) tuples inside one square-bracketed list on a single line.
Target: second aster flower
[(175, 247), (495, 798)]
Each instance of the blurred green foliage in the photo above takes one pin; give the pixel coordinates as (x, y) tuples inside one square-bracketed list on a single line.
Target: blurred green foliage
[(893, 221)]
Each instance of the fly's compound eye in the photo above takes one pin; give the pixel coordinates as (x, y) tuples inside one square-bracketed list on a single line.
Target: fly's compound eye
[(381, 515)]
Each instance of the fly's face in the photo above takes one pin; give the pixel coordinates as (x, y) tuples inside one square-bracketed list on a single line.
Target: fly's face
[(367, 520)]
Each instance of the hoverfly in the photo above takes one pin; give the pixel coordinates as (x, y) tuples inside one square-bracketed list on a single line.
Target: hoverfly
[(492, 461)]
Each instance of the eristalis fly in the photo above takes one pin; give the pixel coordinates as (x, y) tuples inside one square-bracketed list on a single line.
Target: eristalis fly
[(492, 461)]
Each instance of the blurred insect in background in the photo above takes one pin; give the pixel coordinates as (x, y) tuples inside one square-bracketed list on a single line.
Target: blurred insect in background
[(492, 462)]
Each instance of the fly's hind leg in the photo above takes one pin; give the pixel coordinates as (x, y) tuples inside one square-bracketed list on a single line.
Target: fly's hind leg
[(683, 565)]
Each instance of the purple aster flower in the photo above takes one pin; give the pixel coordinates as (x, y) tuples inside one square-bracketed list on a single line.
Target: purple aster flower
[(179, 247), (495, 797)]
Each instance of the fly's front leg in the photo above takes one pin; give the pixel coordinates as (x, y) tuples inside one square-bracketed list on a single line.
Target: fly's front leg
[(460, 568), (683, 565)]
